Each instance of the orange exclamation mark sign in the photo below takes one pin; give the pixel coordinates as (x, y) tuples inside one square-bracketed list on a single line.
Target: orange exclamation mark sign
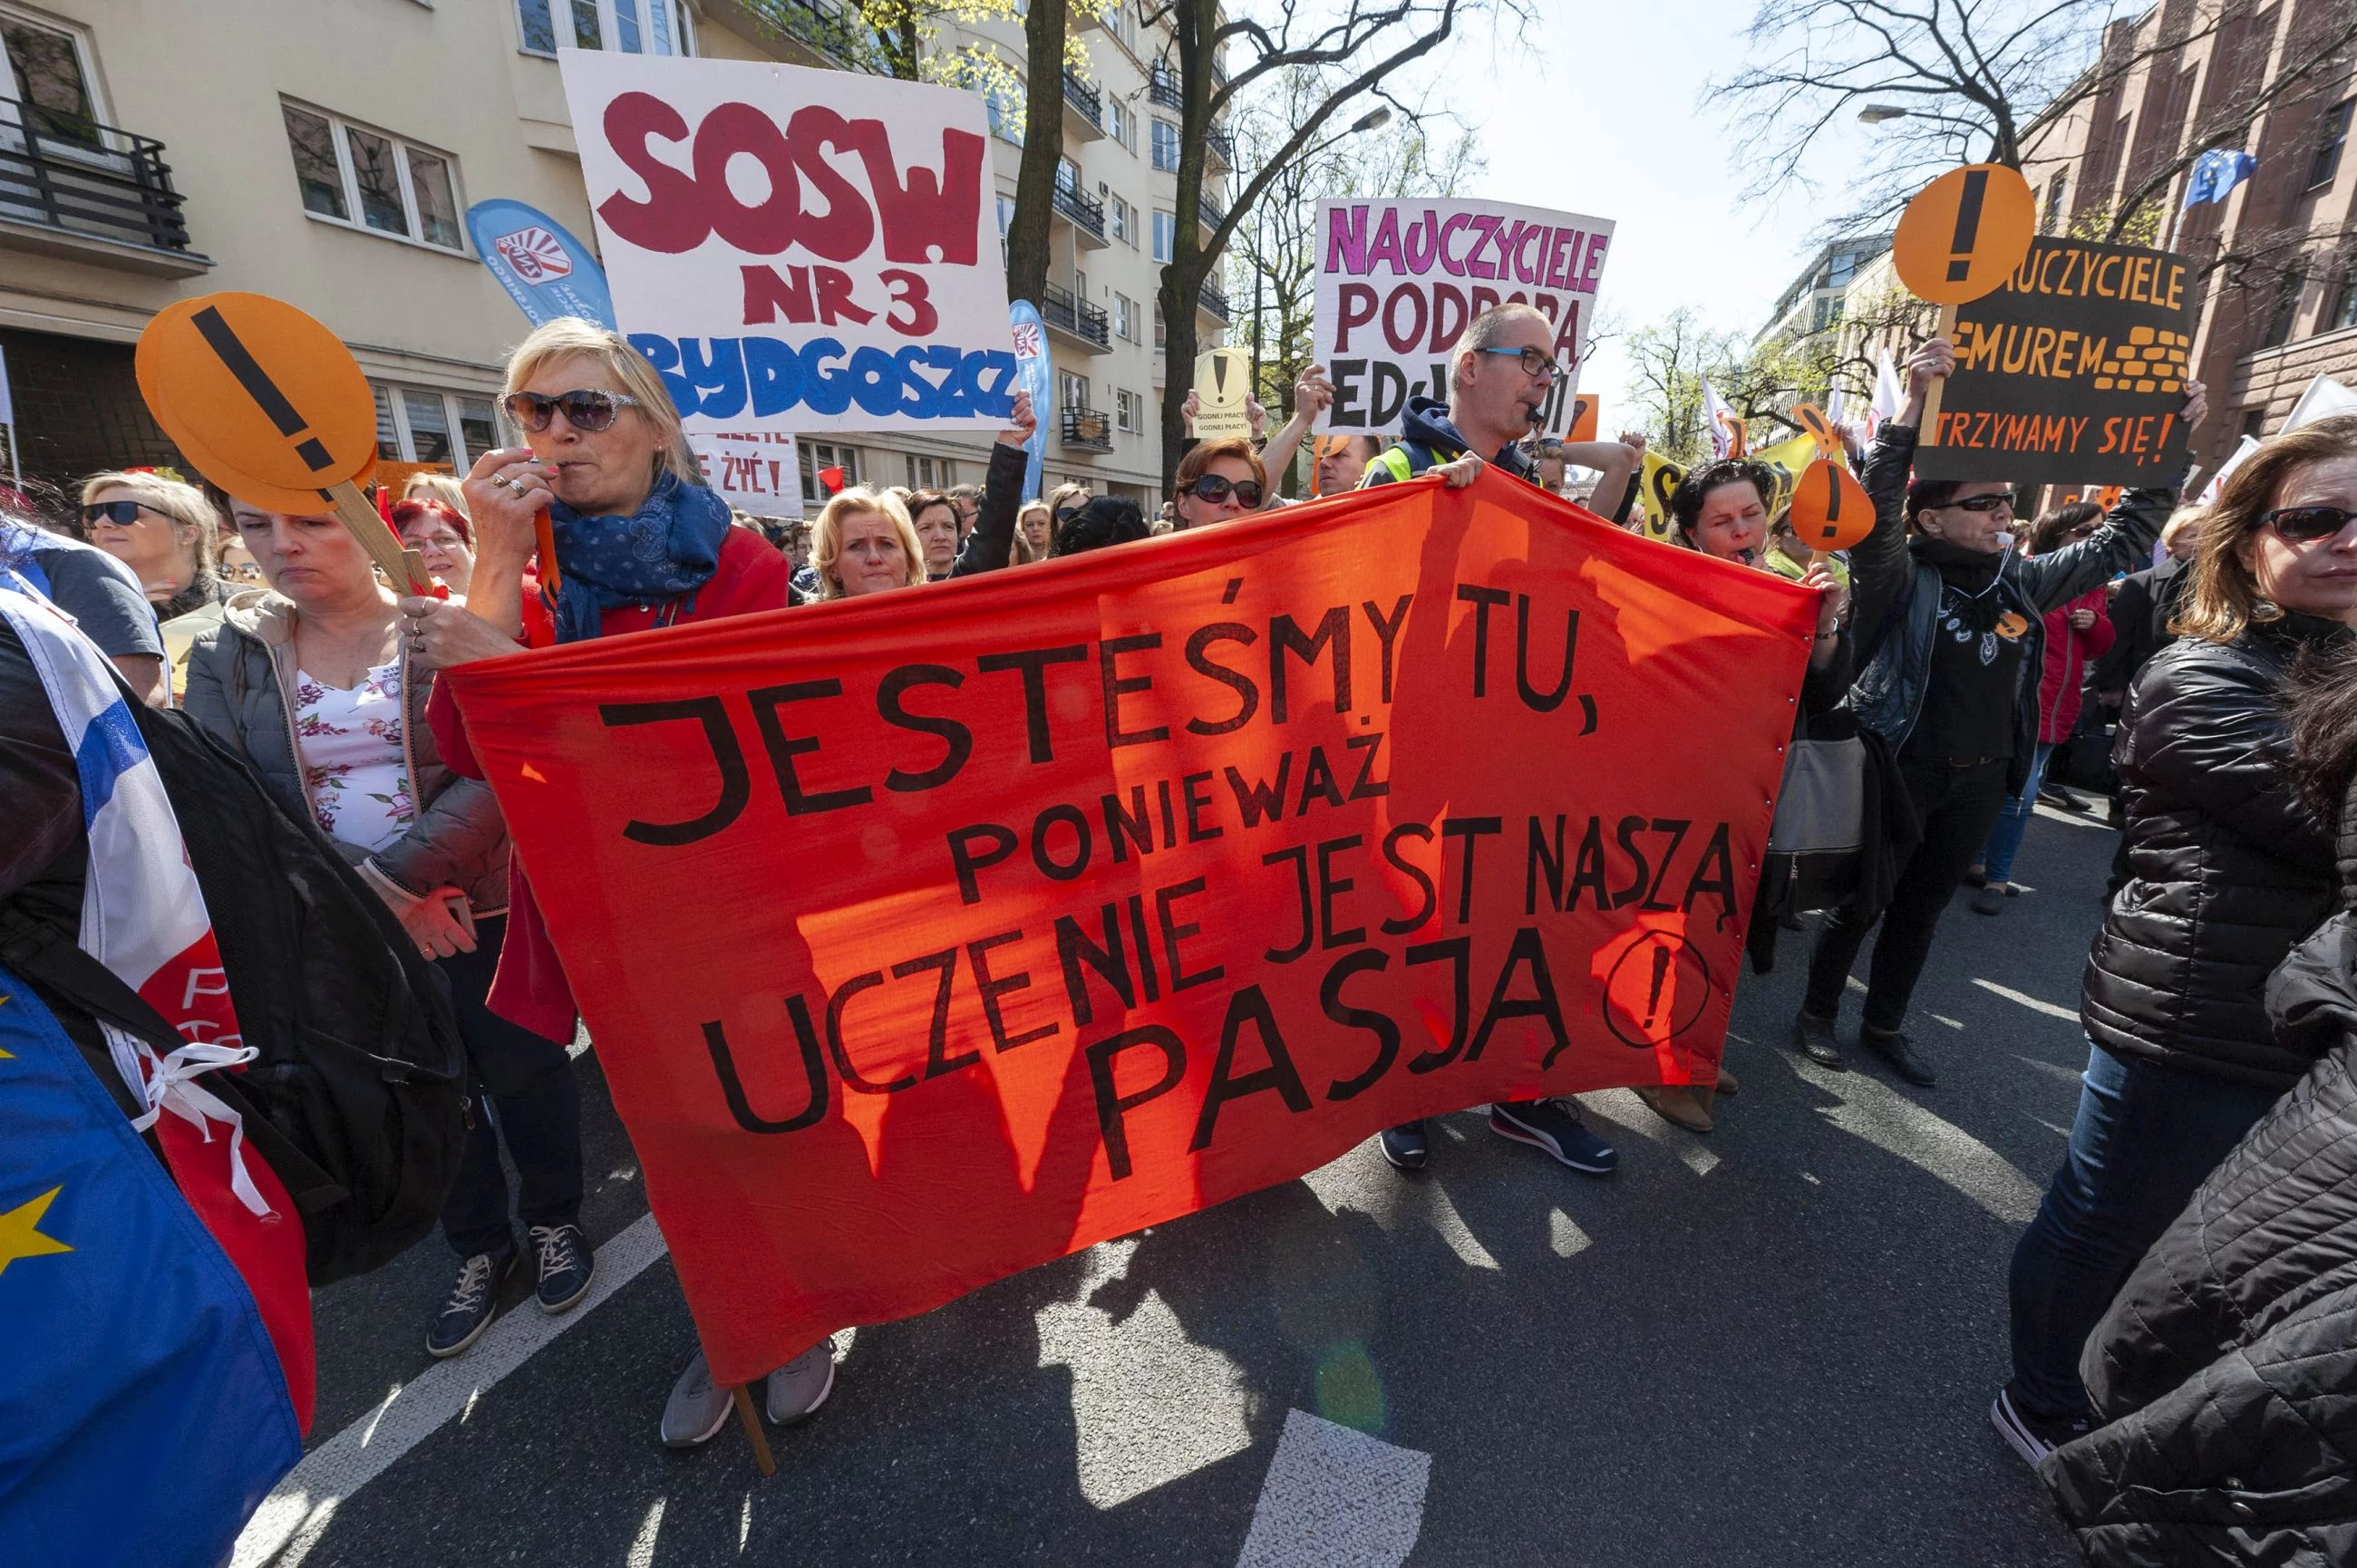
[(1660, 974), (1968, 224)]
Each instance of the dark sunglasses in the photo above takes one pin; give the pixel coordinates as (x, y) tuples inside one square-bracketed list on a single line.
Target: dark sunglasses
[(2304, 524), (585, 410), (1066, 513), (1213, 489), (1985, 503), (125, 513)]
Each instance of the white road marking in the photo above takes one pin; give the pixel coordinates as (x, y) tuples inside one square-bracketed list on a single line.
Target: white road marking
[(1873, 1111), (642, 1550), (2076, 818), (1335, 1498), (1564, 1237), (296, 1514), (1624, 1110), (1149, 1405), (2068, 1015)]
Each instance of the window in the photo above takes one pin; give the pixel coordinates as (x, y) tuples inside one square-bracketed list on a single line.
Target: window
[(817, 456), (1005, 222), (1166, 236), (351, 175), (422, 425), (2286, 306), (2331, 135), (1166, 145), (2254, 422), (1123, 220), (1068, 176), (46, 76), (626, 26), (1071, 391), (2342, 312), (1005, 111), (1125, 410), (930, 473), (1840, 268), (1161, 332), (1121, 124), (1124, 318), (2055, 190)]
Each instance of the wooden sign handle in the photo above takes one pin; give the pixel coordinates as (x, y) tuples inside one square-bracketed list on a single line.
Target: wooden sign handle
[(743, 1397), (1927, 432), (404, 568)]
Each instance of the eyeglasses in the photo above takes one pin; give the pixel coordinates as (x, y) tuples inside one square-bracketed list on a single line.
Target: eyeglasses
[(1535, 362), (2304, 524), (1985, 503), (1066, 513), (587, 410), (1212, 487), (122, 514)]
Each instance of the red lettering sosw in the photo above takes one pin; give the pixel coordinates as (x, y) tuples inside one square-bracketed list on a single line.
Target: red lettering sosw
[(923, 214)]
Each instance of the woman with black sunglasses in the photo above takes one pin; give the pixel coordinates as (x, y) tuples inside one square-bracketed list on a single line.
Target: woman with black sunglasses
[(2230, 867), (1220, 481), (1950, 628)]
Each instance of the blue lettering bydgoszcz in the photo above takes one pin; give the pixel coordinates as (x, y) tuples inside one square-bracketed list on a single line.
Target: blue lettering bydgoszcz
[(725, 378)]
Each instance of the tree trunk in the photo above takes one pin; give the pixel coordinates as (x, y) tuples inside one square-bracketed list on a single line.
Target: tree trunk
[(1043, 149), (1193, 23)]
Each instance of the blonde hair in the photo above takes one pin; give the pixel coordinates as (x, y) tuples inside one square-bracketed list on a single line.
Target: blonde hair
[(2222, 593), (443, 487), (176, 498), (570, 334), (826, 537)]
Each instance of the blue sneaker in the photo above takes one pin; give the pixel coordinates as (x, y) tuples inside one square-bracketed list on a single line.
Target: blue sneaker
[(474, 1301), (565, 1265), (1405, 1146), (1555, 1125)]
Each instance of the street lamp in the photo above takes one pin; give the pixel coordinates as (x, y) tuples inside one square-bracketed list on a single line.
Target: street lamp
[(1373, 120), (1875, 114)]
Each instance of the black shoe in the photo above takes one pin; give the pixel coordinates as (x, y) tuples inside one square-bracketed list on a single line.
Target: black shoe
[(2030, 1435), (566, 1264), (2055, 795), (1813, 1037), (1405, 1146), (474, 1301), (1900, 1053)]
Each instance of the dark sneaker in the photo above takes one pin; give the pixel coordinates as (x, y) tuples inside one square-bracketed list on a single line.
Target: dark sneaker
[(1405, 1146), (2055, 795), (1990, 899), (1813, 1037), (697, 1409), (474, 1301), (1555, 1125), (565, 1263), (2033, 1437), (797, 1388), (1900, 1053)]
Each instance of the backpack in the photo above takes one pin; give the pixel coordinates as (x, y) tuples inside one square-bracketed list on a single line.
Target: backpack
[(356, 1098)]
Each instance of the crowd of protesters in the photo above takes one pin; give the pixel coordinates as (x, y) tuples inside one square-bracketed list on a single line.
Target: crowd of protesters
[(1958, 657)]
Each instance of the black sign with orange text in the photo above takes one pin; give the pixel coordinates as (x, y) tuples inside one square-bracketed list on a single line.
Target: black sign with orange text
[(2072, 372)]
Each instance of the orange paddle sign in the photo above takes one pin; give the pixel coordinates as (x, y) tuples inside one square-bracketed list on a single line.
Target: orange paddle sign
[(1583, 417), (1831, 511), (1965, 233), (1828, 439), (270, 406)]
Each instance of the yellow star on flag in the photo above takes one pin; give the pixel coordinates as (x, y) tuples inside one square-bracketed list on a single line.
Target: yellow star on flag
[(18, 1236)]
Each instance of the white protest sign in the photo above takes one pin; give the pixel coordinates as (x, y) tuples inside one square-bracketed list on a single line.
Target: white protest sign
[(1399, 278), (757, 471), (798, 250), (1222, 391)]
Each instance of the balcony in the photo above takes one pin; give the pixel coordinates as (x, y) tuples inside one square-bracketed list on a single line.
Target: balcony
[(1222, 147), (1212, 302), (1086, 215), (1209, 212), (1088, 428), (1083, 110), (73, 188), (1162, 87), (1076, 321)]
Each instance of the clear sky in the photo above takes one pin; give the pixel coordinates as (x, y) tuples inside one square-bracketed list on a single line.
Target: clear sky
[(1601, 115)]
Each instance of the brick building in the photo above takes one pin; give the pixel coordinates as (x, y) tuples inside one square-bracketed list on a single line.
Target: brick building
[(2278, 292)]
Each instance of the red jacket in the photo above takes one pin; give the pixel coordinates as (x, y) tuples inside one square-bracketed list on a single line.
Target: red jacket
[(530, 988), (2069, 651)]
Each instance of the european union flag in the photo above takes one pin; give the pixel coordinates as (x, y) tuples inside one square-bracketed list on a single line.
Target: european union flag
[(144, 1414), (2217, 172)]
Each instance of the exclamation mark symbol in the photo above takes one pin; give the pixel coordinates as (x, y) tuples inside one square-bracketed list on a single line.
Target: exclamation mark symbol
[(1833, 502), (1968, 225), (258, 386), (1660, 974)]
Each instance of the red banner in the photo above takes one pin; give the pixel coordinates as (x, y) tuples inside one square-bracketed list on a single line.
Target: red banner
[(929, 937)]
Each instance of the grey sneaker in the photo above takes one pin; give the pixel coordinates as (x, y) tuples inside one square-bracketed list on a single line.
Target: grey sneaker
[(697, 1408), (802, 1385)]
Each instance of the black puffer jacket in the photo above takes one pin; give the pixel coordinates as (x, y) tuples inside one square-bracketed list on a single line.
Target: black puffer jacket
[(2229, 869), (2227, 1366)]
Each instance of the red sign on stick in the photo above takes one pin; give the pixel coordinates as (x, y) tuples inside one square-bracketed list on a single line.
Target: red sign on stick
[(930, 937)]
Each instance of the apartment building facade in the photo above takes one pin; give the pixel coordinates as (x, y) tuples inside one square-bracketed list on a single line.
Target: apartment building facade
[(2278, 299), (325, 152)]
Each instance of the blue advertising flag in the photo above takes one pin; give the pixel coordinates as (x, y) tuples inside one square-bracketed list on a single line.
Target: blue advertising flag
[(544, 269), (144, 1415), (2217, 172), (1032, 374)]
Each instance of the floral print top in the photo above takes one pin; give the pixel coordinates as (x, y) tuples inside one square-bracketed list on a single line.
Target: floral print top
[(353, 764)]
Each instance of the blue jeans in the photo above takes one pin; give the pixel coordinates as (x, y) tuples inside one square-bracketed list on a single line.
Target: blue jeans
[(2005, 839), (2145, 1138)]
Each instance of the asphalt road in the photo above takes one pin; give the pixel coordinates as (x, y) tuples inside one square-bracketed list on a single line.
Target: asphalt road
[(1774, 1345)]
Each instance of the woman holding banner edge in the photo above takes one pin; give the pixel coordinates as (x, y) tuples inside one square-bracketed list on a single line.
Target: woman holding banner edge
[(1949, 623)]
